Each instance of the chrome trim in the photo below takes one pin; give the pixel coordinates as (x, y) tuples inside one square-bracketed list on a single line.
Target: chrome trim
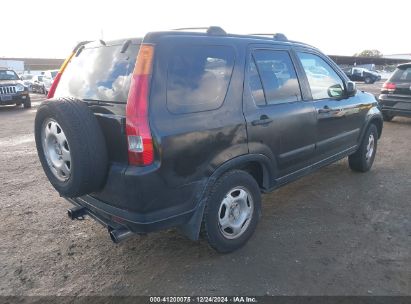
[(8, 90)]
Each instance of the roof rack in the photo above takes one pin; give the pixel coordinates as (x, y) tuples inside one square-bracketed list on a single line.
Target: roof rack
[(211, 30), (276, 36)]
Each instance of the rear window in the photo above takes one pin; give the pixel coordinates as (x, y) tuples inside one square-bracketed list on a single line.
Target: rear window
[(99, 73), (198, 78), (401, 74)]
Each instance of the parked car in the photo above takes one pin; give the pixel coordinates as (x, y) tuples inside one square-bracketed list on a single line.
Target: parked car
[(48, 79), (27, 81), (361, 74), (190, 131), (395, 97), (12, 90), (38, 84)]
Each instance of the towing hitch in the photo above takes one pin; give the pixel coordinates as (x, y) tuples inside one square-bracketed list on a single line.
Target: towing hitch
[(76, 213)]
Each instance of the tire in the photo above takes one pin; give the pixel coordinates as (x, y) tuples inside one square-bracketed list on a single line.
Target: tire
[(387, 117), (363, 158), (27, 103), (71, 147), (224, 193), (368, 80)]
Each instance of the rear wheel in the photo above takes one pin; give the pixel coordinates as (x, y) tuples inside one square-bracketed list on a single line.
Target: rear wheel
[(71, 147), (233, 208), (363, 158), (368, 80), (387, 117)]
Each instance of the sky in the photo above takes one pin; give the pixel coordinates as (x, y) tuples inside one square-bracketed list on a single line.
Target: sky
[(51, 28)]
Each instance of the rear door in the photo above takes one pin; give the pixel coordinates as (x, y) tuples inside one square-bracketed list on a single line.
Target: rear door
[(279, 121), (99, 74)]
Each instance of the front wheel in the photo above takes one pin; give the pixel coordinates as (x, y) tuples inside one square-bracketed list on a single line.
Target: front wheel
[(27, 103), (363, 158), (368, 80), (233, 208)]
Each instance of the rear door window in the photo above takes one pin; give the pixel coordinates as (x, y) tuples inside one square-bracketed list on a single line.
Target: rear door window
[(198, 77), (278, 77), (100, 73)]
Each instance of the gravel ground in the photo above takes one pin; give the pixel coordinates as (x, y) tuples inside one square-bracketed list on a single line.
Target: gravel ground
[(334, 232)]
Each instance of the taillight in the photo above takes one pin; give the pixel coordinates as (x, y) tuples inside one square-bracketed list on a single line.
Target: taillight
[(140, 142), (389, 86), (58, 76)]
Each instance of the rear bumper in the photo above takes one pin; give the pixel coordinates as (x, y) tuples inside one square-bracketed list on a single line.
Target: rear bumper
[(395, 105), (116, 218)]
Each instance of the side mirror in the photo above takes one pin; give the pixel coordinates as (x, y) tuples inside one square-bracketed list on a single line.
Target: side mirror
[(351, 88), (335, 91)]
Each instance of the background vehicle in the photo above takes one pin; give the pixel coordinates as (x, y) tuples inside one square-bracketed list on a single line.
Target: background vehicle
[(48, 79), (361, 74), (12, 90), (191, 132), (395, 97), (27, 80), (38, 84)]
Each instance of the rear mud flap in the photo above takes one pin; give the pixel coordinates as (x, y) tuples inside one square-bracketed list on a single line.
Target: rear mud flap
[(192, 228)]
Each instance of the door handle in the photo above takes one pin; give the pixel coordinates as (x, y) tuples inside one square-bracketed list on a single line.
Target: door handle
[(325, 109), (263, 121)]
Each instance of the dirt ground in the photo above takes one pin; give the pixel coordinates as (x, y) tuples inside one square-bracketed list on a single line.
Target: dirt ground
[(335, 232)]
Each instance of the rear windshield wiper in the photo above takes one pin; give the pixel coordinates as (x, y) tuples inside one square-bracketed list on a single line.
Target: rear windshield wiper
[(125, 46)]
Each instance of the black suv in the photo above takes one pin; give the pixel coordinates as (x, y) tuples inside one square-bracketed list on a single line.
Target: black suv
[(186, 129), (395, 98), (12, 90)]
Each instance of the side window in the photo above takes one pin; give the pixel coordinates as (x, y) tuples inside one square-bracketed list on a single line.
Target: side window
[(198, 78), (406, 76), (323, 80), (278, 76)]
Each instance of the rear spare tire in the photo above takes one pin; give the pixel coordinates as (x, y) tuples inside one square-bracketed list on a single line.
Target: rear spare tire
[(71, 147)]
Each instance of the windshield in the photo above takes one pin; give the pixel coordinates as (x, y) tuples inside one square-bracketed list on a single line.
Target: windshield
[(8, 75), (99, 73), (53, 74)]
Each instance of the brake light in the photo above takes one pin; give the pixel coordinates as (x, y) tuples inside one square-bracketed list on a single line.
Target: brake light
[(58, 76), (140, 142), (389, 86)]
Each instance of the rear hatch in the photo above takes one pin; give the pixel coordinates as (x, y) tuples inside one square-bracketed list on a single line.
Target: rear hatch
[(399, 84), (99, 74)]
